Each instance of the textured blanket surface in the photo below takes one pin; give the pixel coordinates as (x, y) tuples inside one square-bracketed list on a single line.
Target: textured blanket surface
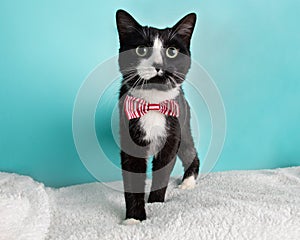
[(262, 204)]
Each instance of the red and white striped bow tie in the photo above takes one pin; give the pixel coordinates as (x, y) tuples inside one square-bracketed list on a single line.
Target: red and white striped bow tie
[(137, 107)]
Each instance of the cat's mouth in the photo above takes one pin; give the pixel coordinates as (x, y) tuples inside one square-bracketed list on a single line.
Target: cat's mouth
[(147, 73), (163, 82), (162, 79)]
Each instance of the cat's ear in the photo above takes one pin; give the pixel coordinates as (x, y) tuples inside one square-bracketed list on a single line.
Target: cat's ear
[(185, 27), (126, 24)]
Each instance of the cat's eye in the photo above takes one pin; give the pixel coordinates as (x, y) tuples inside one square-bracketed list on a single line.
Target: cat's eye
[(141, 51), (172, 52)]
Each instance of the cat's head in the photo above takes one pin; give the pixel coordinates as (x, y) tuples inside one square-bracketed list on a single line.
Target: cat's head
[(151, 56)]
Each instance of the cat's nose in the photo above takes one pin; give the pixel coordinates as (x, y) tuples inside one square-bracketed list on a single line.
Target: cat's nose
[(159, 69), (158, 66), (160, 72)]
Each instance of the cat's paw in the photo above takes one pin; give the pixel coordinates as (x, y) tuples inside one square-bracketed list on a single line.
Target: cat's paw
[(130, 221), (188, 183)]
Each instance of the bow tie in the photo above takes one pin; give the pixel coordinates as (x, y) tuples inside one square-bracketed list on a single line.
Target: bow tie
[(137, 107)]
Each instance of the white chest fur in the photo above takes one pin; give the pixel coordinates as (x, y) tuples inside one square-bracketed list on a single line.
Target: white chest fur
[(154, 123)]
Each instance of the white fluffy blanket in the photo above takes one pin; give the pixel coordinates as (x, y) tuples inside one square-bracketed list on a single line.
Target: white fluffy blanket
[(229, 205)]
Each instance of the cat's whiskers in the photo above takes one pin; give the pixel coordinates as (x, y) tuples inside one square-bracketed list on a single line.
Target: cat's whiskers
[(128, 70), (169, 82), (179, 73), (144, 80), (128, 78), (178, 76), (135, 84), (173, 80)]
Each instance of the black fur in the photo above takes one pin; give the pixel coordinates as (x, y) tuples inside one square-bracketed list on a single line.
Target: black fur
[(179, 141)]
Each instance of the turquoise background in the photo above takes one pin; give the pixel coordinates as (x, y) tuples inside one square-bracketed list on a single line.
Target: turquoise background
[(47, 48)]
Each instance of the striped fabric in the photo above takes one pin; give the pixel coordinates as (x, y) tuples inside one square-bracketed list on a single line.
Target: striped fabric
[(137, 107)]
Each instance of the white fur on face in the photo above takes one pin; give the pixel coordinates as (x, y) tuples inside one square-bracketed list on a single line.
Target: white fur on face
[(156, 54), (145, 69), (153, 123)]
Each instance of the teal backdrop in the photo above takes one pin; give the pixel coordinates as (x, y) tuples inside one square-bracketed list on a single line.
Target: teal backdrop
[(47, 49)]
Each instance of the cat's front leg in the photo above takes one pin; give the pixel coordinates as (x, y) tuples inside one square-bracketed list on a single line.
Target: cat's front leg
[(162, 169), (163, 164), (187, 153), (134, 176)]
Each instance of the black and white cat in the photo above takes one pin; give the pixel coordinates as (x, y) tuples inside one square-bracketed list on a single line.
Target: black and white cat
[(154, 115)]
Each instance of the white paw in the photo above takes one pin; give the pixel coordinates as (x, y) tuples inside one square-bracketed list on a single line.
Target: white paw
[(188, 183), (130, 221)]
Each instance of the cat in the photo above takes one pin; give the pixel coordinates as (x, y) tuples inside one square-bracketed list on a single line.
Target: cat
[(154, 114)]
